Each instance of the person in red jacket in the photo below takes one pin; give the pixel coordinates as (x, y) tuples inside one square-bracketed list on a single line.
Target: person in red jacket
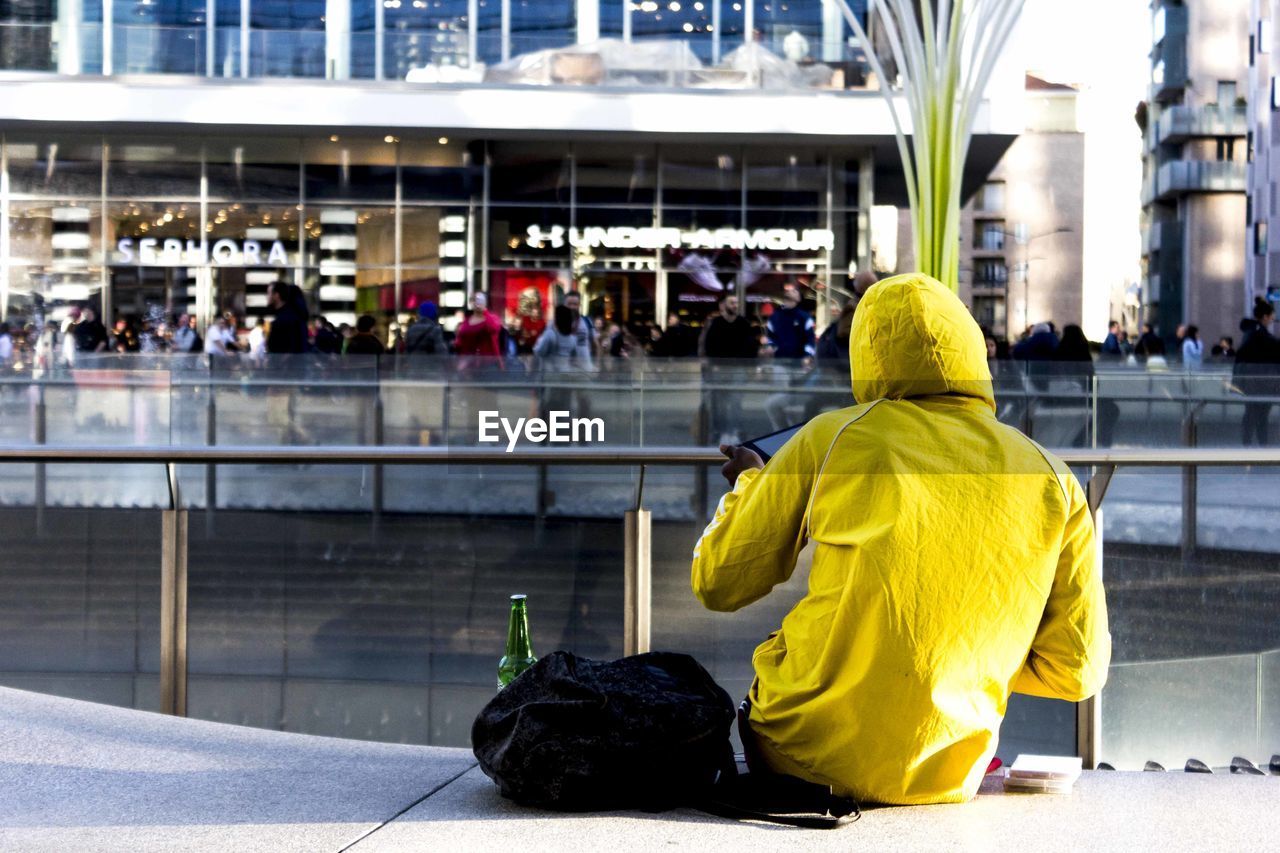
[(480, 332)]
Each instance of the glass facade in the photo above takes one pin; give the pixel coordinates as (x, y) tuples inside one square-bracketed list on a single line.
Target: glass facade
[(391, 39), (152, 226)]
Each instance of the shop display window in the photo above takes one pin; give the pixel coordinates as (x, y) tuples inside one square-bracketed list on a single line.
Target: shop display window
[(54, 256), (366, 224)]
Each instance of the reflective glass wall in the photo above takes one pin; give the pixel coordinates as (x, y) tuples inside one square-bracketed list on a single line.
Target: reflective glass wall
[(155, 227), (429, 40)]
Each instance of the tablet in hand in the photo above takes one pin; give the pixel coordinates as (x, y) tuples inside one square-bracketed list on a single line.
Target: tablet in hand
[(766, 446)]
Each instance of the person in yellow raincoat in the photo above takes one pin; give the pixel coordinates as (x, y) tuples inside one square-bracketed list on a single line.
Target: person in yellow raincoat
[(954, 563)]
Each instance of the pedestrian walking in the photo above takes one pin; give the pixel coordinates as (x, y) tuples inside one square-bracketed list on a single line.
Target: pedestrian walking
[(727, 335), (790, 328), (365, 341), (425, 336), (1257, 373), (288, 332), (1192, 349), (1074, 354)]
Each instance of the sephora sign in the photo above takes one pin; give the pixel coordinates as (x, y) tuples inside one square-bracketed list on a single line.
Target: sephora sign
[(172, 252)]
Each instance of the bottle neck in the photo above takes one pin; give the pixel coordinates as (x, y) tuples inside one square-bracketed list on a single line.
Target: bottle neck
[(518, 631)]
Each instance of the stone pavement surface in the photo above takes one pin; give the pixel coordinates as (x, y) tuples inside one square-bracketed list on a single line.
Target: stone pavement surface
[(81, 776)]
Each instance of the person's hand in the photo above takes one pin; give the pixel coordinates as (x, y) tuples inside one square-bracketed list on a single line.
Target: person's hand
[(740, 459)]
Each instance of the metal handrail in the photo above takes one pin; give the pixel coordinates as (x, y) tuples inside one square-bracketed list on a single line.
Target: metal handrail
[(606, 383), (609, 456)]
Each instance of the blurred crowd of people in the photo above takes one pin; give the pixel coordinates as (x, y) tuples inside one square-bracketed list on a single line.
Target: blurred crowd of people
[(783, 332)]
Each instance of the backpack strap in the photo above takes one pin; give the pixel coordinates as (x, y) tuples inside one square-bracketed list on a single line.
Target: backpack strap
[(800, 821), (777, 799)]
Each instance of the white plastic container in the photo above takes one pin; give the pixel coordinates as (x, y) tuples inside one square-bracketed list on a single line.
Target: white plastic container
[(1043, 774)]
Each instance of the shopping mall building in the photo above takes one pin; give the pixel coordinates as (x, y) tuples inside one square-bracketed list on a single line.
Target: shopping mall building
[(180, 156)]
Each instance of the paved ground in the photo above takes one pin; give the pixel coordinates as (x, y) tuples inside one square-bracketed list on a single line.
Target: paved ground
[(80, 776)]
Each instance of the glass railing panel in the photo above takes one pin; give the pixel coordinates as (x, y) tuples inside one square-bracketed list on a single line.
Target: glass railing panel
[(1193, 624), (721, 642), (80, 595), (389, 628), (110, 401)]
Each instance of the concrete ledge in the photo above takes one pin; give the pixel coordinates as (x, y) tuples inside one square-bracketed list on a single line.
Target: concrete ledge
[(80, 776), (1107, 811)]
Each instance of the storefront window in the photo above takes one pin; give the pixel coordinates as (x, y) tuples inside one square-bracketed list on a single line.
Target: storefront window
[(251, 245), (531, 261), (55, 258), (154, 258), (377, 226)]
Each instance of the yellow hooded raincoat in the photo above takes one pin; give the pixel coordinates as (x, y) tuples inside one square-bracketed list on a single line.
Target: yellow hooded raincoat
[(954, 563)]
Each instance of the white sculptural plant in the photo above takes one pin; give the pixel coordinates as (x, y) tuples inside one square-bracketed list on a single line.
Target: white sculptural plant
[(945, 58)]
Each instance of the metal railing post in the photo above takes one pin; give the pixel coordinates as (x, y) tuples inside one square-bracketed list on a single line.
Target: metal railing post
[(705, 427), (1089, 712), (1093, 412), (379, 427), (543, 497), (173, 601), (1190, 482), (39, 435), (211, 439), (637, 576)]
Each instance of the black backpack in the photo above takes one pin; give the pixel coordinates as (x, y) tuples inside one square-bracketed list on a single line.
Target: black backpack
[(646, 732)]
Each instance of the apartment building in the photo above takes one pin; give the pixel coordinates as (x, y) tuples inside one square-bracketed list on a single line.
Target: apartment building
[(1195, 125)]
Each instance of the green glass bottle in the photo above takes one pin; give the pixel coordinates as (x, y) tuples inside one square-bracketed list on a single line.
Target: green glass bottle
[(519, 655)]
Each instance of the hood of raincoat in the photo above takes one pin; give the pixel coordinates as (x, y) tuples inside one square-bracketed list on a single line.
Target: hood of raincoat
[(912, 337)]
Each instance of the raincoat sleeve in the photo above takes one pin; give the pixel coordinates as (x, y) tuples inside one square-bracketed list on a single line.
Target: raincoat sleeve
[(758, 531), (1072, 648)]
